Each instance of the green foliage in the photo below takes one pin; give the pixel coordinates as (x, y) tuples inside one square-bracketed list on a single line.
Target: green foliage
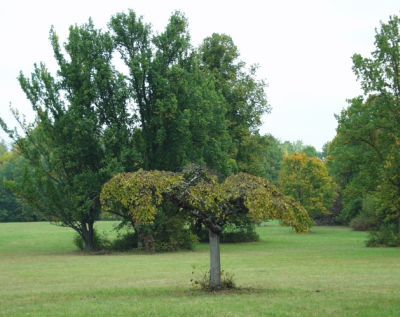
[(368, 218), (12, 168), (232, 233), (10, 209), (306, 179), (82, 134), (365, 153), (241, 234), (3, 148), (178, 105), (261, 156), (195, 105), (138, 199), (177, 102), (125, 241), (170, 230), (100, 242), (385, 236), (363, 222), (243, 95), (298, 147)]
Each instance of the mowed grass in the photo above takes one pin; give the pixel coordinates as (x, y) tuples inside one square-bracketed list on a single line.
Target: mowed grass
[(328, 272)]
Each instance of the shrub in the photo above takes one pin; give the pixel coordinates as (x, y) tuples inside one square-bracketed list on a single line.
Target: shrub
[(100, 242), (241, 234), (125, 241), (362, 222), (387, 235), (202, 280), (181, 240), (231, 234), (367, 218), (170, 232)]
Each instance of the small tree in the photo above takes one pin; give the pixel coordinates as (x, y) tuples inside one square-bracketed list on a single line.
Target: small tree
[(306, 179), (200, 195)]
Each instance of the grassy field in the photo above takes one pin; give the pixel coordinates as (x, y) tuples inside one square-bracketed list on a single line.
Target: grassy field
[(328, 272)]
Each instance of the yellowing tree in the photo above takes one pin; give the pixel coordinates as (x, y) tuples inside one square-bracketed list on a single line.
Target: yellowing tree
[(306, 179), (201, 196)]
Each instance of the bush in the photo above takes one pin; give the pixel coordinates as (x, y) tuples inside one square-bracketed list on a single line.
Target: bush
[(367, 218), (334, 217), (125, 241), (100, 242), (362, 222), (386, 236), (247, 234), (169, 232), (183, 239), (232, 233)]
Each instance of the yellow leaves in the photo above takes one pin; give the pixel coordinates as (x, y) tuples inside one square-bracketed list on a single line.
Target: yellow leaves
[(206, 196), (242, 194), (265, 202), (141, 193), (306, 179)]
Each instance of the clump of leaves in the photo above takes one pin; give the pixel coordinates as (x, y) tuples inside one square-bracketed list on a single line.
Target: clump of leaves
[(201, 280)]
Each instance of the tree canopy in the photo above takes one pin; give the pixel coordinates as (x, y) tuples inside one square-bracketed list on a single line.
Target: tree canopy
[(365, 153), (195, 105), (306, 179), (83, 132)]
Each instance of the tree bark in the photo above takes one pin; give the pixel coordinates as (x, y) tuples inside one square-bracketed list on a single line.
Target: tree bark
[(215, 261), (88, 236)]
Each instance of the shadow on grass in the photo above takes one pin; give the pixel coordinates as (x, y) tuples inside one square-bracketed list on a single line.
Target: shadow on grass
[(147, 294), (232, 291)]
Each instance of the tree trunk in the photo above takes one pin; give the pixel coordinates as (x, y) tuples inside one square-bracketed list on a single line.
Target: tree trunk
[(215, 261), (88, 236)]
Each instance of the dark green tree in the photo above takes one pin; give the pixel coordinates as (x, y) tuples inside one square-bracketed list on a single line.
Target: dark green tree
[(182, 115), (12, 167), (244, 98), (196, 105), (365, 152), (83, 132), (261, 156)]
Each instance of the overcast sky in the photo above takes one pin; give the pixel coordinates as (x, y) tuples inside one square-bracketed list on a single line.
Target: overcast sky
[(304, 48)]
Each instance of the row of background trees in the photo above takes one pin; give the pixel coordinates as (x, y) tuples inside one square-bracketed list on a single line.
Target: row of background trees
[(175, 104), (267, 162)]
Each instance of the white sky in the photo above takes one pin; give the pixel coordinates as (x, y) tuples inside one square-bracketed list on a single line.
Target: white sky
[(304, 48)]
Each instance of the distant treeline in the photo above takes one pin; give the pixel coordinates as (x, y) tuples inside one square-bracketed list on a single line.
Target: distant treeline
[(266, 163)]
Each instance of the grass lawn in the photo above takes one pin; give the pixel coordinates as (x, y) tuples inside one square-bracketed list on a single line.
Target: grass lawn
[(328, 272)]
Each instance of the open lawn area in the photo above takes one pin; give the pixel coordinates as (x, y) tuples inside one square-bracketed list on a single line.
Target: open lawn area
[(328, 272)]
